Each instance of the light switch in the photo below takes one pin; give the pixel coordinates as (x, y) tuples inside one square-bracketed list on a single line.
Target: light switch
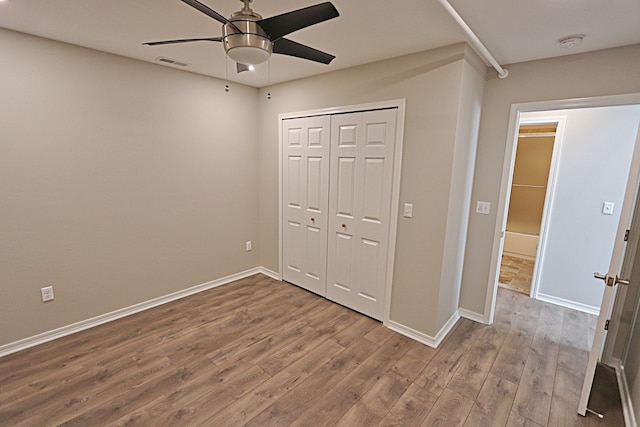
[(607, 208), (407, 212), (483, 208)]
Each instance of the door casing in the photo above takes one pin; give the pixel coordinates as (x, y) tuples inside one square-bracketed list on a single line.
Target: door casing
[(509, 157), (559, 120)]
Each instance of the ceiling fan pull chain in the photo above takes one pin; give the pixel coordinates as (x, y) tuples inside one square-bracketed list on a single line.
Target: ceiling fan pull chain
[(226, 73), (269, 77)]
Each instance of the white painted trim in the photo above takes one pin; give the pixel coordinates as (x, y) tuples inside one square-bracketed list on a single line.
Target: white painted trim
[(382, 105), (395, 205), (549, 196), (126, 311), (471, 315), (422, 337), (269, 273), (625, 398), (569, 304), (399, 105), (280, 230), (512, 135), (501, 216)]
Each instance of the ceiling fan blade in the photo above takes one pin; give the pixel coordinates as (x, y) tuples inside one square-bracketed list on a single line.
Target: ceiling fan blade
[(280, 25), (208, 39), (210, 12), (289, 47)]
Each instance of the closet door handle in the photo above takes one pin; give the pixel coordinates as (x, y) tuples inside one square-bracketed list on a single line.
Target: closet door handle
[(344, 225)]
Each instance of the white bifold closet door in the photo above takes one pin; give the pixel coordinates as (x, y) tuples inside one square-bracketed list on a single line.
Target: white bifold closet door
[(337, 176), (305, 183), (362, 148)]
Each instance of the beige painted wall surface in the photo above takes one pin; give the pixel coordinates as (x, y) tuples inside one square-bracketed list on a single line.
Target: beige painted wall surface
[(431, 83), (120, 182), (606, 72)]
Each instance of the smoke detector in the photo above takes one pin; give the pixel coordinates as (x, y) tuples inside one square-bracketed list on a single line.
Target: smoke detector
[(571, 41)]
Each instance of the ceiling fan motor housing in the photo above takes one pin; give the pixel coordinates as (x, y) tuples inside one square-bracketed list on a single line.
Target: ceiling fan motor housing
[(250, 47), (249, 40)]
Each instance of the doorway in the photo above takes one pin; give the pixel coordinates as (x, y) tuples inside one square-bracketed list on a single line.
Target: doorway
[(531, 180), (558, 278)]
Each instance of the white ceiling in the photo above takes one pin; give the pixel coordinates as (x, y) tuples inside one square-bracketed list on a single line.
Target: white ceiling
[(366, 31)]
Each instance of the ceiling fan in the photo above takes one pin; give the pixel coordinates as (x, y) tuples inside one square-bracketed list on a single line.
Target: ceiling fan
[(249, 39)]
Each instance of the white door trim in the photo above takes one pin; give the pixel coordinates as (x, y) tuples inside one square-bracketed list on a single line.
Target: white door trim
[(560, 120), (509, 158), (398, 104)]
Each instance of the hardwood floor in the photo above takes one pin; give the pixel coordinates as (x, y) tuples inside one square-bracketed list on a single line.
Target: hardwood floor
[(260, 352)]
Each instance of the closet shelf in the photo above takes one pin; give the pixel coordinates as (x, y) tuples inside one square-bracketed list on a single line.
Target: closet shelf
[(527, 186)]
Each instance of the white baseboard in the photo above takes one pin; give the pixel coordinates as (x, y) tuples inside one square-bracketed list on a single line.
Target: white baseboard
[(44, 337), (568, 304), (422, 337), (625, 398), (472, 315), (269, 273)]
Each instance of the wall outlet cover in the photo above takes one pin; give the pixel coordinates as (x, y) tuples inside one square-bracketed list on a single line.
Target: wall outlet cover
[(47, 293), (483, 208)]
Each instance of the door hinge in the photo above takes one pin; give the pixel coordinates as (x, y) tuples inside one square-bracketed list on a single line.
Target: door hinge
[(626, 236), (606, 325)]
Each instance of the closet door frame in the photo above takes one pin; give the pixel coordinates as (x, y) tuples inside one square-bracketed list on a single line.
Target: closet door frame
[(399, 105)]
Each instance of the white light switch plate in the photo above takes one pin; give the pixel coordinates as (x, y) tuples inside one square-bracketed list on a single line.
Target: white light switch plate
[(407, 211), (483, 208), (607, 208)]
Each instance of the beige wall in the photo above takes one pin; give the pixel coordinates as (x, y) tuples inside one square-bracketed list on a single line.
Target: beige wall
[(432, 83), (460, 190), (607, 72), (123, 181), (120, 181)]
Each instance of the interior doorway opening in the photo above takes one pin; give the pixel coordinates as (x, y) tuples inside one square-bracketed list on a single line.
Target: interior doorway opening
[(568, 281), (529, 189)]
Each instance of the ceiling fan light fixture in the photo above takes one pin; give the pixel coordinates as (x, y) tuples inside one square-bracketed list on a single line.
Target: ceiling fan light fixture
[(252, 46), (249, 55)]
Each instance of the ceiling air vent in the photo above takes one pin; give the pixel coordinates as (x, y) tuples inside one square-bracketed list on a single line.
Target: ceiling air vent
[(171, 61)]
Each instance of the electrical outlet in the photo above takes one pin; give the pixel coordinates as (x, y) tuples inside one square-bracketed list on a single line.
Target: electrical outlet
[(47, 293), (247, 245), (483, 208)]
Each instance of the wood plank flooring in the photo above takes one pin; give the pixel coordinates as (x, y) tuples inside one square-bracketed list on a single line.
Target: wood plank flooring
[(259, 352)]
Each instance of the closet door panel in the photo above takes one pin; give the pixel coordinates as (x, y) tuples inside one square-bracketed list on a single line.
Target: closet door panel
[(362, 150), (305, 152)]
